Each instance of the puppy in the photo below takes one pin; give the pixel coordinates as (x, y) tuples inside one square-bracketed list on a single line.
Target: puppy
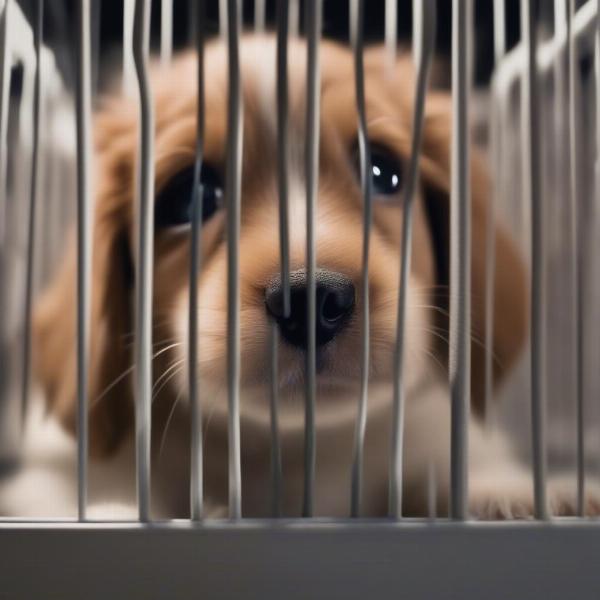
[(498, 486)]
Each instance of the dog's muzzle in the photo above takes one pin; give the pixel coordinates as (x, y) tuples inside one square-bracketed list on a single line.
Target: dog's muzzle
[(335, 304)]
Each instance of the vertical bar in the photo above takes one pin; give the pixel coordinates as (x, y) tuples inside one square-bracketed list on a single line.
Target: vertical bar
[(223, 18), (391, 33), (417, 34), (294, 18), (356, 34), (282, 182), (233, 196), (532, 171), (577, 357), (4, 95), (560, 32), (460, 261), (4, 91), (490, 237), (595, 200), (128, 66), (166, 32), (4, 267), (145, 250), (260, 9), (276, 475), (84, 204), (560, 191), (196, 461), (313, 95), (427, 45), (499, 30), (560, 18), (35, 168)]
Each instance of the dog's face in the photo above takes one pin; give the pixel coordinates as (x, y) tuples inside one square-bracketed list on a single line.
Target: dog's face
[(338, 241)]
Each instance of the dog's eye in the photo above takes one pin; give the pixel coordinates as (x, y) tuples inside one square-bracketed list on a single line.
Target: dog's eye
[(386, 174), (174, 202)]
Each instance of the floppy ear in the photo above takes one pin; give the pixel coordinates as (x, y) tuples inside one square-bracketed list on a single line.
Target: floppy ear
[(510, 286), (110, 405)]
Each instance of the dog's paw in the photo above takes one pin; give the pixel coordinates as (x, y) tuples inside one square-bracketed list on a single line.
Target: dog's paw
[(507, 496), (562, 497), (511, 497)]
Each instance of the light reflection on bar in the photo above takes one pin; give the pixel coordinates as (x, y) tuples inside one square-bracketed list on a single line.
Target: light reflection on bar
[(282, 183), (577, 246), (166, 31), (38, 19), (313, 93), (356, 35), (427, 45), (233, 198), (532, 174), (84, 239), (4, 91), (144, 228), (196, 458), (460, 260)]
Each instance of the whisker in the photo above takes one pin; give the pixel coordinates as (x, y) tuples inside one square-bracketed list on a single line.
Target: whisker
[(163, 438), (175, 366), (434, 308), (433, 357), (125, 373)]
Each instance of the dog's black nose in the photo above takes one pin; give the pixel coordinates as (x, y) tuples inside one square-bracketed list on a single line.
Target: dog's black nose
[(335, 303)]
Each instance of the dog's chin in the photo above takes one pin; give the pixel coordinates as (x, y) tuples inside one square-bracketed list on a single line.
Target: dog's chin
[(338, 373), (338, 381)]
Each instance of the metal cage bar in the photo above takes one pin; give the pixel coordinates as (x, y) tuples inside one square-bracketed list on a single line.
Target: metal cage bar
[(356, 33), (38, 20), (144, 264), (597, 90), (560, 109), (260, 12), (282, 189), (4, 94), (233, 198), (166, 31), (4, 101), (294, 18), (84, 240), (427, 45), (538, 302), (391, 32), (223, 18), (596, 199), (499, 32), (196, 458), (573, 68), (128, 66), (313, 95), (460, 260)]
